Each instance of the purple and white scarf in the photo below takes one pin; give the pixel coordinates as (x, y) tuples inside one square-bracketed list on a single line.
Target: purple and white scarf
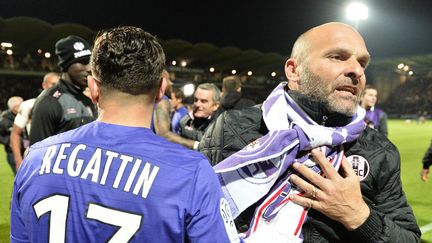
[(248, 175)]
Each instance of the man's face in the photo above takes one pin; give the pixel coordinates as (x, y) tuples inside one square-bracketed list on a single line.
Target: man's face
[(369, 98), (50, 81), (333, 71), (204, 106), (78, 73)]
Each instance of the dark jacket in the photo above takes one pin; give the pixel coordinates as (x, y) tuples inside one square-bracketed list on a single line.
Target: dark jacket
[(61, 108), (6, 122), (233, 100), (391, 218), (193, 128)]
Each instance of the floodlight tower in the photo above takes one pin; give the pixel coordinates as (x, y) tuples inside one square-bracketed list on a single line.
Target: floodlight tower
[(357, 11)]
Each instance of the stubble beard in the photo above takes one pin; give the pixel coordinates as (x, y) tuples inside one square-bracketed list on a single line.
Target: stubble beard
[(313, 86)]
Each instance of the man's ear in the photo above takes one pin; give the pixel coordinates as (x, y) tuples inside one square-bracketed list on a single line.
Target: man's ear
[(292, 73), (94, 86), (162, 87)]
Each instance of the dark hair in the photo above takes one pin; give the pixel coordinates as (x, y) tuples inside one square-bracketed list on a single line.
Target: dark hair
[(128, 59), (178, 93), (231, 83)]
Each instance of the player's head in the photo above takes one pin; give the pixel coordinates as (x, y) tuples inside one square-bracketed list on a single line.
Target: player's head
[(73, 53), (327, 63), (128, 60), (50, 79)]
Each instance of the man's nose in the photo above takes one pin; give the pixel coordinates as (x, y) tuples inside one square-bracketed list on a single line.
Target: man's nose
[(354, 70)]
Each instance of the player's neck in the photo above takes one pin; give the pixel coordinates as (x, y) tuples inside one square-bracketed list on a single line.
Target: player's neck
[(134, 114)]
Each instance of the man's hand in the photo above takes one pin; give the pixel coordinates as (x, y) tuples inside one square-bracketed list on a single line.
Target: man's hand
[(424, 175), (337, 197)]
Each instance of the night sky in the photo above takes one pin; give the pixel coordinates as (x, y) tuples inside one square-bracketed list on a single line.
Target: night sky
[(394, 28)]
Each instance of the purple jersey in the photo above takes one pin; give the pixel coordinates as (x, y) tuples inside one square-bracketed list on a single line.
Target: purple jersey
[(111, 183)]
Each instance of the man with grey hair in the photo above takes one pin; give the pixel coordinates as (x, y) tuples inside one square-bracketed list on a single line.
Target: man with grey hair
[(204, 111), (6, 122)]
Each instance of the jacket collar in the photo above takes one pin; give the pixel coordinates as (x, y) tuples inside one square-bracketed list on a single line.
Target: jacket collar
[(319, 112)]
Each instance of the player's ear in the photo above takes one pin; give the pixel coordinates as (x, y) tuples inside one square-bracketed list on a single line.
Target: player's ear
[(94, 87), (162, 87)]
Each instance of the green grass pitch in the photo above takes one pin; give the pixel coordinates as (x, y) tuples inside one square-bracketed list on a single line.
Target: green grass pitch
[(411, 138)]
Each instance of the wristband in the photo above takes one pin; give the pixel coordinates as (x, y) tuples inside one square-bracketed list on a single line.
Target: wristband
[(195, 146)]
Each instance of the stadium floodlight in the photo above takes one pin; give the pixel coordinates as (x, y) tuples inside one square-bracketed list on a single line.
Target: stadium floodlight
[(6, 45), (357, 11), (188, 89)]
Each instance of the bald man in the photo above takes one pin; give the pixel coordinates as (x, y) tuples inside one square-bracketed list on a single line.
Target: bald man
[(312, 118)]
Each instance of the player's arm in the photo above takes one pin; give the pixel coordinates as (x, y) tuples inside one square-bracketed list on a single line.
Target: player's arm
[(15, 144), (18, 231), (162, 124), (47, 114)]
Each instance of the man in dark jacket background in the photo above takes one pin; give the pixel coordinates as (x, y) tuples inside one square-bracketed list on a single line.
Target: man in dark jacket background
[(64, 106), (231, 94), (7, 118)]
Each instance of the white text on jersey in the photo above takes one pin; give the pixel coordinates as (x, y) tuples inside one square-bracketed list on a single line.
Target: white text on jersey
[(98, 167)]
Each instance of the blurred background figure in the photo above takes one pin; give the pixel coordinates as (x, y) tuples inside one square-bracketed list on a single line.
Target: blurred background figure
[(7, 118), (180, 110), (375, 117), (19, 137), (427, 162), (231, 94)]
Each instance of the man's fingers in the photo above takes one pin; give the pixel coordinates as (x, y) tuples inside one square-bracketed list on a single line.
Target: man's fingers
[(323, 162), (347, 168), (310, 190)]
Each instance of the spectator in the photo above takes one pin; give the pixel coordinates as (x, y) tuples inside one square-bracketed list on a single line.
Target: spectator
[(205, 109), (6, 122), (64, 106), (375, 117), (180, 110), (114, 180), (313, 118), (427, 162), (231, 94), (21, 128)]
